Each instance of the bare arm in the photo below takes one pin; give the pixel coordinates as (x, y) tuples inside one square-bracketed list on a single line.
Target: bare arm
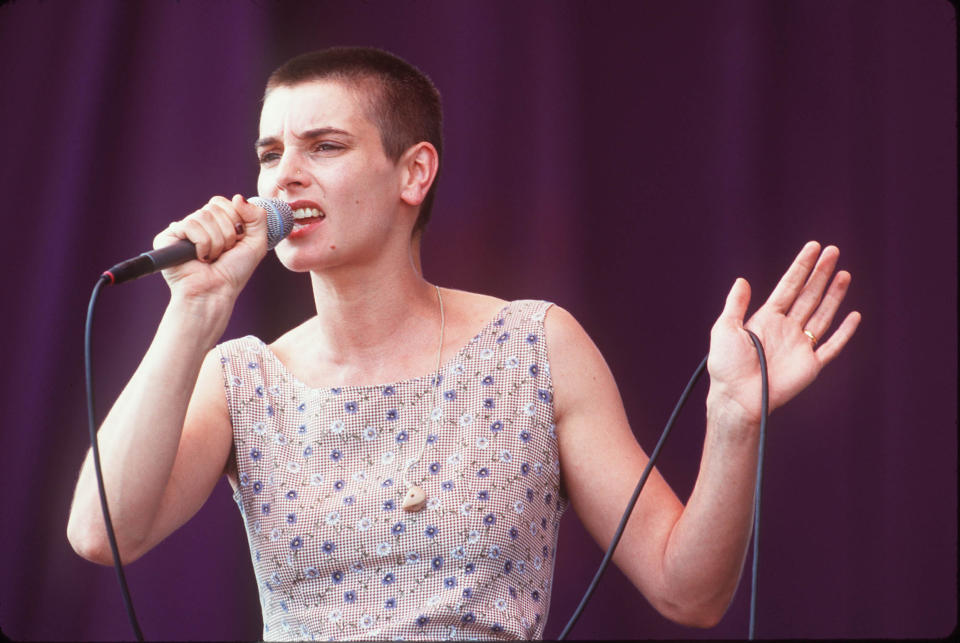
[(166, 440), (158, 469), (687, 560)]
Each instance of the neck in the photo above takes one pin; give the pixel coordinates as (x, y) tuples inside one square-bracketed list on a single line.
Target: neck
[(363, 310)]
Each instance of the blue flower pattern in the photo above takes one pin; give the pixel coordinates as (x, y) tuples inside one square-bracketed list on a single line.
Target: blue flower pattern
[(469, 564)]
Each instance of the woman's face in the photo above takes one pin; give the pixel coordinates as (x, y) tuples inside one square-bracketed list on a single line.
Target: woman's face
[(320, 152)]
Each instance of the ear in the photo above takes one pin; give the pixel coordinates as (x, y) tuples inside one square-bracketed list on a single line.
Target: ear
[(420, 164)]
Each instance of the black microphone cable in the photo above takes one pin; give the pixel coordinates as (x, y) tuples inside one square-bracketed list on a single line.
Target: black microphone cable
[(764, 411), (88, 363), (764, 406)]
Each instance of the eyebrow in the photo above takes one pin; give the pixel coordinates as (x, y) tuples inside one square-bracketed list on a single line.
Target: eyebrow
[(309, 134)]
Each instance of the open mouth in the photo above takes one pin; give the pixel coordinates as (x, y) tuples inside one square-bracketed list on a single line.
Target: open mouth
[(306, 216)]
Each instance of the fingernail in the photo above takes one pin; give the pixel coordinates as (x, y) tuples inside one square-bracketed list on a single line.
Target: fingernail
[(238, 227)]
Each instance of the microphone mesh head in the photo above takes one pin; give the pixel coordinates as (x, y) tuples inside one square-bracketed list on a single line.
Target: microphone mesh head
[(279, 219)]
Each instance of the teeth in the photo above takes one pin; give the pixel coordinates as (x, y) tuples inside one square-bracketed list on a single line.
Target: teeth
[(306, 213)]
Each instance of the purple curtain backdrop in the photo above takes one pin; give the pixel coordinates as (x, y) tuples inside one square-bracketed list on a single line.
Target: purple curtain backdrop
[(625, 160)]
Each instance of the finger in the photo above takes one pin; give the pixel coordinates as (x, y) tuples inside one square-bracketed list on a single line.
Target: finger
[(822, 317), (238, 202), (168, 235), (192, 230), (813, 289), (738, 299), (250, 214), (832, 347), (207, 218), (227, 219), (793, 279), (204, 229)]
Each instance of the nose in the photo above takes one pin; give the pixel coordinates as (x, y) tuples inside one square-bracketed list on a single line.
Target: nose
[(289, 172)]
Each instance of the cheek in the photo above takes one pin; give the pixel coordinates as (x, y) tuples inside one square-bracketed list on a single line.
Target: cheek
[(372, 197), (362, 183), (264, 186)]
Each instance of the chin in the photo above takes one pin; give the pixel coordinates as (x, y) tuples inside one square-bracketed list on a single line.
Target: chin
[(303, 259), (293, 260)]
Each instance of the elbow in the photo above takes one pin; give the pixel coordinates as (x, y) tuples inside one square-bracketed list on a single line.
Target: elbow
[(696, 600), (90, 542), (88, 546), (698, 619), (699, 615), (704, 618)]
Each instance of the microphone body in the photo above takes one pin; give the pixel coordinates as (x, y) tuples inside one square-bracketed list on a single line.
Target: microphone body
[(279, 225)]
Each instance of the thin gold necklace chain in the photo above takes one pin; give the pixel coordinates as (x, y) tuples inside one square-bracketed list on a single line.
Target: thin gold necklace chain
[(436, 389)]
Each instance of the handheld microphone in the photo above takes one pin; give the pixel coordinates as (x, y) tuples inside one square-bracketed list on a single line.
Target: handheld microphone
[(279, 225)]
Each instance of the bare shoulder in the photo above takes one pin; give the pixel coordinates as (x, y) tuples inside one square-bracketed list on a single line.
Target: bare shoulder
[(576, 365), (207, 421), (563, 329), (471, 306), (467, 312), (209, 398)]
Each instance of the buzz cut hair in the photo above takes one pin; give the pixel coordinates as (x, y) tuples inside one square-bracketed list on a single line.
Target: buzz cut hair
[(402, 102)]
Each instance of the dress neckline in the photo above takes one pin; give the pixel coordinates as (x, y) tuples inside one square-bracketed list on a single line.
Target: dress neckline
[(496, 320)]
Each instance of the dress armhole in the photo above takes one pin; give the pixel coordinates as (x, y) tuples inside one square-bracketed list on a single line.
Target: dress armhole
[(231, 469), (539, 316)]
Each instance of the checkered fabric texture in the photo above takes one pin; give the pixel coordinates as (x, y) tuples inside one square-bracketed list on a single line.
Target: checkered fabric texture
[(321, 474)]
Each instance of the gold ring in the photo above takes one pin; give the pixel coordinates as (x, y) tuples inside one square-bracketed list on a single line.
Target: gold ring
[(813, 338)]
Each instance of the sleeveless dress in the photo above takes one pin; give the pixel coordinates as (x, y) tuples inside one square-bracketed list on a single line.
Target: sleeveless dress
[(321, 484)]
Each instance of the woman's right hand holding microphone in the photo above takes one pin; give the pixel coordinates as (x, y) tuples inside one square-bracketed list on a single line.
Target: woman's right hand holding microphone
[(231, 239)]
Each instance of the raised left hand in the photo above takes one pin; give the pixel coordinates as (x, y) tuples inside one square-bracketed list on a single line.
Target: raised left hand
[(801, 301)]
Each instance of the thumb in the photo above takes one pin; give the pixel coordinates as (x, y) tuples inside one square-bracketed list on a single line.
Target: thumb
[(254, 217), (738, 299)]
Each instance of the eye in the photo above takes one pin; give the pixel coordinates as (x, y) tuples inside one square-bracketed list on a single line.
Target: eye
[(266, 158), (327, 147)]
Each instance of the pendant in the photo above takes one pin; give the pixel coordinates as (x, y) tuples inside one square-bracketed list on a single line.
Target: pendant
[(415, 499)]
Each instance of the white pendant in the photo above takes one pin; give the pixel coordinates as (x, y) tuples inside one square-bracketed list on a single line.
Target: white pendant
[(415, 499)]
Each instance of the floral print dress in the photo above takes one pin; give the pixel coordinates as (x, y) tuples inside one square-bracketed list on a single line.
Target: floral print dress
[(321, 474)]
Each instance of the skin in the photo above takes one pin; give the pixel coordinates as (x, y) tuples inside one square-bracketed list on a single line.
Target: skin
[(167, 440)]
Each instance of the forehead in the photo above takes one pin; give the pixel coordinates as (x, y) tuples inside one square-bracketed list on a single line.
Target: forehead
[(313, 105)]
